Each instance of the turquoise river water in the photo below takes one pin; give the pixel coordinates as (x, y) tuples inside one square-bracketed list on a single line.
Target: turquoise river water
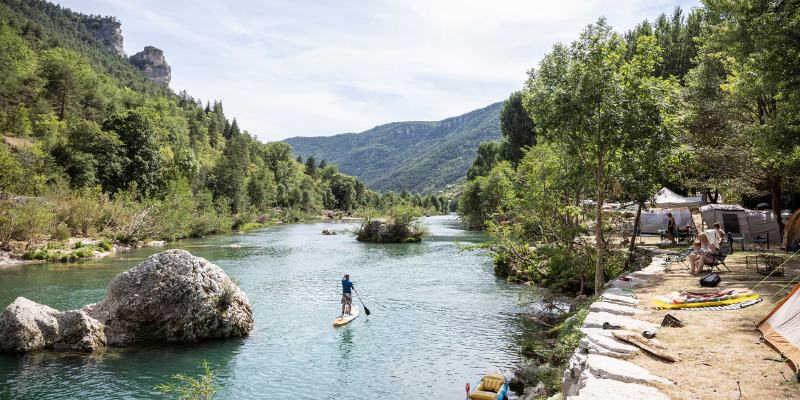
[(439, 319)]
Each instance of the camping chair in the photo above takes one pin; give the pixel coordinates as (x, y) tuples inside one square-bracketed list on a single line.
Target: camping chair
[(759, 242), (681, 257), (719, 257)]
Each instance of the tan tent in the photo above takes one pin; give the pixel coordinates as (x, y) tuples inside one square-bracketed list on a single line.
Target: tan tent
[(742, 222), (791, 232), (781, 327)]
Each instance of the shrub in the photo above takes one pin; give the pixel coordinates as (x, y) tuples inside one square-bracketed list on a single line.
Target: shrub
[(60, 233), (188, 387), (84, 252), (226, 297), (105, 245)]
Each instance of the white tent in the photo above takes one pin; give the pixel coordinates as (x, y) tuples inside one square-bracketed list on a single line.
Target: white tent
[(742, 222), (666, 198), (654, 220), (781, 327)]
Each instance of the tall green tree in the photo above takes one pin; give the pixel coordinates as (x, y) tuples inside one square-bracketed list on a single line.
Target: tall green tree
[(598, 103), (752, 48), (142, 160), (488, 156), (519, 131), (311, 166), (229, 177)]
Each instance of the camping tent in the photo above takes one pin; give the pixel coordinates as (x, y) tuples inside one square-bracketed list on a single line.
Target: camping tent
[(781, 327), (791, 232), (666, 198), (741, 221), (654, 220)]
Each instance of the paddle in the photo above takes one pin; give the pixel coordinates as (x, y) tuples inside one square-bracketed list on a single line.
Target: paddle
[(366, 310)]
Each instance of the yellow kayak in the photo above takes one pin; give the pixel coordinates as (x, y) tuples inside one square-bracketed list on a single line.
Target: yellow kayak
[(344, 320)]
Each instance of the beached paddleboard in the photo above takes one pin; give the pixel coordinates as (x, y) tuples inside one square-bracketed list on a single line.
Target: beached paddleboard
[(341, 321)]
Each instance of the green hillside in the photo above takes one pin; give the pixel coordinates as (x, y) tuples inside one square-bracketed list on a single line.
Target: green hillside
[(89, 146), (415, 156)]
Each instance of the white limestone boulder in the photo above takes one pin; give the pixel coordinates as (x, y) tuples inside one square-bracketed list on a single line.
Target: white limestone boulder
[(593, 388), (611, 368)]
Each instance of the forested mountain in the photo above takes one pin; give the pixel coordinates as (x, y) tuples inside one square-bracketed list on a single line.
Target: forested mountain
[(90, 146), (420, 156)]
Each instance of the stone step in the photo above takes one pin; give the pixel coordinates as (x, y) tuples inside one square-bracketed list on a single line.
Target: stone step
[(615, 298), (614, 308), (597, 319), (607, 389), (611, 368)]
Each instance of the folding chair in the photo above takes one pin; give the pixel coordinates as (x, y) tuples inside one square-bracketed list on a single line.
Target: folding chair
[(681, 257), (725, 248)]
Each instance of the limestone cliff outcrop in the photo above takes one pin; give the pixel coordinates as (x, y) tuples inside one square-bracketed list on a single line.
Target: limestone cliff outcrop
[(172, 296), (151, 61), (108, 30)]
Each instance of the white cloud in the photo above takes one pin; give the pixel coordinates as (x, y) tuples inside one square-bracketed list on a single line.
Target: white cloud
[(298, 68)]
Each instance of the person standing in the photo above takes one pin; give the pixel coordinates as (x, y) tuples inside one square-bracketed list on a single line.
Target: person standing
[(347, 295), (671, 228)]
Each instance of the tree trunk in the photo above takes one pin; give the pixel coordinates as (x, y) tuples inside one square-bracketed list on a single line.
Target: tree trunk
[(776, 189), (632, 244), (599, 279)]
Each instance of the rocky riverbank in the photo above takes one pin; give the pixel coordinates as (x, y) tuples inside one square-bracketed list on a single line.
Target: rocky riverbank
[(72, 249), (170, 297), (598, 369)]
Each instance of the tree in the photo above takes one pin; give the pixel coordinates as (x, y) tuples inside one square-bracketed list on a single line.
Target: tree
[(18, 81), (311, 166), (229, 176), (488, 156), (743, 50), (69, 80), (518, 129), (598, 104), (142, 159)]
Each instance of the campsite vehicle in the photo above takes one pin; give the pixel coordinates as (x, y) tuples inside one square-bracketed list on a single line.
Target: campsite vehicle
[(492, 387)]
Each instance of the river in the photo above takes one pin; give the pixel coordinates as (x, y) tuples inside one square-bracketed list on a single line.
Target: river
[(440, 318)]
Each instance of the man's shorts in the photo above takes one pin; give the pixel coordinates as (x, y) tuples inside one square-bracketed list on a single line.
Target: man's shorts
[(347, 298)]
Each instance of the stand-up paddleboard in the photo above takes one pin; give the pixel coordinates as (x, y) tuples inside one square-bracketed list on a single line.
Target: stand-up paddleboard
[(341, 321)]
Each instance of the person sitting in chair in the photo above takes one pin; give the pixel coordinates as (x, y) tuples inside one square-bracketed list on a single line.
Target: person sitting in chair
[(721, 235), (704, 252)]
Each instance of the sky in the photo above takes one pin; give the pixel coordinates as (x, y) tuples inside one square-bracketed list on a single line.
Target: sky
[(288, 68)]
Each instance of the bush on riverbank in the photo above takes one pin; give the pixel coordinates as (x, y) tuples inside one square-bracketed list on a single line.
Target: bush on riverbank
[(401, 226), (546, 356)]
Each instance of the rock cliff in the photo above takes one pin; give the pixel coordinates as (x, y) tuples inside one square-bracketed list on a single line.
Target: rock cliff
[(151, 61), (172, 296), (108, 31)]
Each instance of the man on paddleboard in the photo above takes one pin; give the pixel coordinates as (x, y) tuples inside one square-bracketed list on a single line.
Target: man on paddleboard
[(347, 295)]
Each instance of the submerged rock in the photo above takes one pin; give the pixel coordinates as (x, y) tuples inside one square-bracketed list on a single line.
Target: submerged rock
[(172, 296)]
